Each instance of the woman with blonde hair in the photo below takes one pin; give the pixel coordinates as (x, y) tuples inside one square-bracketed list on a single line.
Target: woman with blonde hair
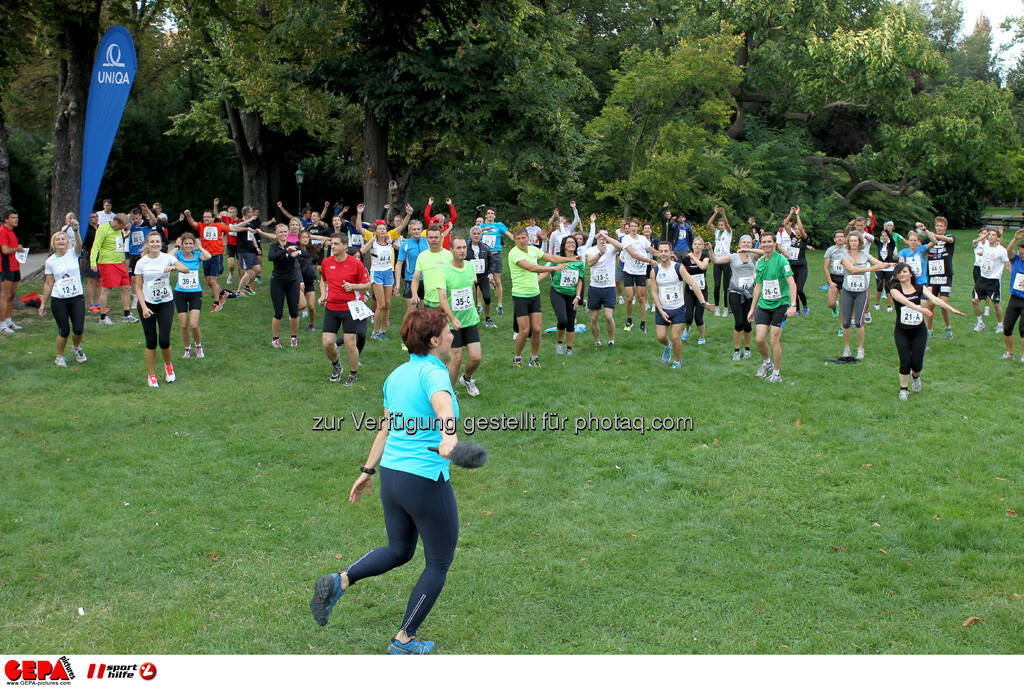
[(63, 286)]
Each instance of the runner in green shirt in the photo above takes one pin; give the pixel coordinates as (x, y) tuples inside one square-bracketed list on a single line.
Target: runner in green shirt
[(455, 295), (566, 294), (774, 300), (430, 268), (524, 270)]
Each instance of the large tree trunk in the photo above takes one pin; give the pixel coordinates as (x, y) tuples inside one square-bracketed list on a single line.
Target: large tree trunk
[(248, 131), (5, 165), (739, 124), (376, 171), (76, 41)]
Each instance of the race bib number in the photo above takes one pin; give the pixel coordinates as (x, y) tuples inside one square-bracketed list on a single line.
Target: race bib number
[(936, 267), (252, 238), (770, 289), (915, 267), (569, 278), (701, 281), (210, 233), (671, 296), (855, 282), (479, 265), (745, 283), (986, 267), (67, 287), (158, 290), (937, 280), (977, 258), (910, 318), (489, 240), (137, 238), (634, 264), (793, 253), (721, 251), (358, 310), (1018, 282), (601, 278), (356, 240), (119, 244), (462, 299), (382, 259), (837, 266), (188, 281)]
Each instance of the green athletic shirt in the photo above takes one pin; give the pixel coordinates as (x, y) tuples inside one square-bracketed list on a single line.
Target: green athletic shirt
[(431, 269), (524, 282), (459, 283), (565, 277), (104, 246), (771, 275)]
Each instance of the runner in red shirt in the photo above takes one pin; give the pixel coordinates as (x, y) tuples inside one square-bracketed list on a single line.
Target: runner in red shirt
[(229, 218), (341, 277), (10, 270), (439, 219), (211, 235)]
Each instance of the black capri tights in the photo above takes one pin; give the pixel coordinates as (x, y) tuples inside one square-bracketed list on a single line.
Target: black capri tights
[(910, 344), (800, 277), (279, 290), (722, 274), (485, 288), (162, 317), (70, 315), (1014, 310), (740, 306), (414, 506), (565, 311), (694, 310)]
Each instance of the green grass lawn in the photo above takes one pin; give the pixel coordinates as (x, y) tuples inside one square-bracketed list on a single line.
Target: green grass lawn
[(820, 515)]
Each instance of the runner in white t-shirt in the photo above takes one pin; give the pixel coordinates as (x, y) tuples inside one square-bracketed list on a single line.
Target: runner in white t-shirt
[(993, 257), (636, 257), (601, 260), (152, 284), (63, 286)]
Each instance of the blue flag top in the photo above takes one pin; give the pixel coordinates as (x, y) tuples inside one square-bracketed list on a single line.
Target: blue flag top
[(112, 75)]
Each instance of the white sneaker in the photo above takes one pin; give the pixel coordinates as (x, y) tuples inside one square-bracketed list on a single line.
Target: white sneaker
[(514, 336), (4, 329), (999, 328), (199, 351), (915, 385), (470, 385), (746, 354), (980, 327), (904, 394), (60, 361), (877, 306), (765, 368), (152, 382), (79, 354), (14, 325), (169, 370), (1007, 356), (888, 308), (775, 376), (559, 348), (860, 354), (846, 352), (105, 320), (229, 278), (735, 355), (130, 319), (621, 301)]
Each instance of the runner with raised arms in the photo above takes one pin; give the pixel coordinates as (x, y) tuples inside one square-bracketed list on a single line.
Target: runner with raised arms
[(696, 264), (156, 303), (602, 260), (910, 333), (636, 252), (741, 291), (493, 234), (188, 293), (566, 294), (774, 299), (63, 286), (940, 267), (1015, 308), (382, 276), (796, 253), (886, 253), (857, 262), (833, 265), (285, 283), (667, 283), (988, 285)]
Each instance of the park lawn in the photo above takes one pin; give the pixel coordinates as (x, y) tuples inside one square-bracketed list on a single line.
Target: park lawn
[(820, 515)]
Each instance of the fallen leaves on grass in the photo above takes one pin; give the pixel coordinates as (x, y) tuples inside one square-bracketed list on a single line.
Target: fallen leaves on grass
[(1015, 594), (867, 465), (883, 552), (485, 512), (973, 619), (1011, 513), (936, 517), (213, 555), (337, 556), (1002, 479), (630, 533), (837, 548), (715, 442)]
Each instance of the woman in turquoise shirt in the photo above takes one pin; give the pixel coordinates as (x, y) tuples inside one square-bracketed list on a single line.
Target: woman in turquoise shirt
[(415, 490)]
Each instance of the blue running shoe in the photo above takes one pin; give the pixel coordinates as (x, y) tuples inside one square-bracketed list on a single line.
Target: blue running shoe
[(326, 592), (686, 334), (667, 354), (414, 646), (674, 366)]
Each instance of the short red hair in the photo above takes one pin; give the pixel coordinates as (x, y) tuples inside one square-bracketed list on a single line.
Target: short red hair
[(419, 326)]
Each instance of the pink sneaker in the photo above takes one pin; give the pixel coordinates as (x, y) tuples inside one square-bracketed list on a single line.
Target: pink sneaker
[(295, 341), (153, 383), (199, 351), (169, 370), (188, 353), (276, 343)]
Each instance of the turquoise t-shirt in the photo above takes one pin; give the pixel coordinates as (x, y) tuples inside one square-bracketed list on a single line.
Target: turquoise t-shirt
[(188, 282), (917, 261), (414, 424)]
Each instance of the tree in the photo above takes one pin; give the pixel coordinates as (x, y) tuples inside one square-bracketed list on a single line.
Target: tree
[(665, 111)]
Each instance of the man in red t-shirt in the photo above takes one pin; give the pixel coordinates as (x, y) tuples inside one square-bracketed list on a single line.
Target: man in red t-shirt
[(10, 270), (341, 277), (439, 219), (211, 235)]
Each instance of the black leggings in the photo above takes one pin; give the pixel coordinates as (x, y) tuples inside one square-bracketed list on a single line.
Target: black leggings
[(910, 344), (694, 310), (485, 288), (162, 317), (740, 306), (70, 315), (800, 277), (565, 311), (723, 275), (279, 290), (414, 506), (1014, 309)]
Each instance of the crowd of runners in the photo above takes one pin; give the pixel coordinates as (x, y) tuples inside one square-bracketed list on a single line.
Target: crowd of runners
[(353, 268)]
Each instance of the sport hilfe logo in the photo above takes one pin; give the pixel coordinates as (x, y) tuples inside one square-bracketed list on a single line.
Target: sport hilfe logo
[(147, 671), (31, 670)]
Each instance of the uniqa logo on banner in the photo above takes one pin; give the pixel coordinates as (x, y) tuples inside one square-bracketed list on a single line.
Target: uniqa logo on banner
[(113, 59)]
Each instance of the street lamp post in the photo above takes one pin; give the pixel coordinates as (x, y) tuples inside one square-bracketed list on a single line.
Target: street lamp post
[(298, 182)]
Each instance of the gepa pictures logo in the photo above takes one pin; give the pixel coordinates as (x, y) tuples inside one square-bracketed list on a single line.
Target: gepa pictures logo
[(31, 670)]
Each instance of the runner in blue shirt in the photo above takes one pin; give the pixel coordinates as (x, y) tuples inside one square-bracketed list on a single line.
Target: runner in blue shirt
[(492, 234)]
